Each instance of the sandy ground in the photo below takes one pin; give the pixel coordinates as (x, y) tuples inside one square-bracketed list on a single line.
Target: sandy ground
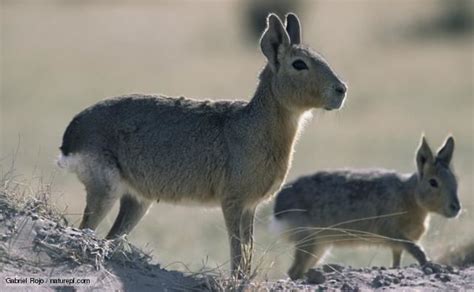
[(37, 246)]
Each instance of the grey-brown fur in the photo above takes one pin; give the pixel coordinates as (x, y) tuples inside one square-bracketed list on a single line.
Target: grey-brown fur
[(144, 148), (347, 207)]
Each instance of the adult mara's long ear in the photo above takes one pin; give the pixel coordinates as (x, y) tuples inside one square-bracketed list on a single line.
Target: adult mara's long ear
[(293, 28), (445, 153), (423, 156), (275, 41)]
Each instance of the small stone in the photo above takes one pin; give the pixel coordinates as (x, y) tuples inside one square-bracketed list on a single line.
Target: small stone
[(443, 277), (378, 282), (329, 268), (348, 288), (315, 277), (428, 271), (450, 269), (383, 268), (34, 216), (396, 281), (438, 269)]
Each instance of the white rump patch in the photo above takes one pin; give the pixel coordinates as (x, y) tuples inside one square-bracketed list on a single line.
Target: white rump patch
[(70, 162), (278, 227)]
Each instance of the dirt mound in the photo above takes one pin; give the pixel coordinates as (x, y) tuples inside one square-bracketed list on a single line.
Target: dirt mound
[(39, 252)]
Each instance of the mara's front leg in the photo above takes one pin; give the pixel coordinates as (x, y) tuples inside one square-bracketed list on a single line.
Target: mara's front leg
[(233, 215), (416, 251), (307, 254), (396, 257), (246, 232)]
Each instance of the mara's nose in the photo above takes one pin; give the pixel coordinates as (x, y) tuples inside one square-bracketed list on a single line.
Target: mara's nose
[(455, 207), (341, 88)]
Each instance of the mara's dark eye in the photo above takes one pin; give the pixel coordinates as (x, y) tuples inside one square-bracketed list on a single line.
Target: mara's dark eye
[(299, 65), (433, 183)]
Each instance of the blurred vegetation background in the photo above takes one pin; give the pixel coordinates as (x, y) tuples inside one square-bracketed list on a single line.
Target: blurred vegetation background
[(409, 66)]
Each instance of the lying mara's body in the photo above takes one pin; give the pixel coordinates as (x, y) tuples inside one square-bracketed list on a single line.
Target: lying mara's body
[(144, 149), (366, 207)]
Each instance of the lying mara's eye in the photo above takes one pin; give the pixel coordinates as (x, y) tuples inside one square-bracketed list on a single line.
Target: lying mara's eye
[(433, 183), (299, 65)]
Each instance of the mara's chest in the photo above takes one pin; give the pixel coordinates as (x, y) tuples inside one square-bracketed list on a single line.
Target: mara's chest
[(268, 175), (262, 163), (415, 227)]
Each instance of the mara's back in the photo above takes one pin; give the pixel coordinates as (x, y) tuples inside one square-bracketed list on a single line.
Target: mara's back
[(360, 198), (151, 139)]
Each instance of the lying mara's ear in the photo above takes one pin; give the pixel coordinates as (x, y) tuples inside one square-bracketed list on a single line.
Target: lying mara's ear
[(274, 41), (445, 153), (423, 156), (293, 27)]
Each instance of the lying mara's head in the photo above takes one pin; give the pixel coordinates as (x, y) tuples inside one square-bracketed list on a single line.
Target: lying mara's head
[(437, 185), (300, 78)]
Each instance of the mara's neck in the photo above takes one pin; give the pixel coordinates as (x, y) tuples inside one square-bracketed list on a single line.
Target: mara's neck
[(268, 115), (412, 205), (410, 182)]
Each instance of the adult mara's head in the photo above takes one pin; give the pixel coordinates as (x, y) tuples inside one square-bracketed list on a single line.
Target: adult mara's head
[(299, 77)]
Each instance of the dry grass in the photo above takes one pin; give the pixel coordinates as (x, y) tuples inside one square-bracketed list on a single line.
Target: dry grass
[(58, 59), (35, 240)]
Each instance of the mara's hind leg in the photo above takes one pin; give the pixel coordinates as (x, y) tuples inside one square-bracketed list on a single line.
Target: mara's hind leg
[(99, 201), (130, 213), (307, 254)]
